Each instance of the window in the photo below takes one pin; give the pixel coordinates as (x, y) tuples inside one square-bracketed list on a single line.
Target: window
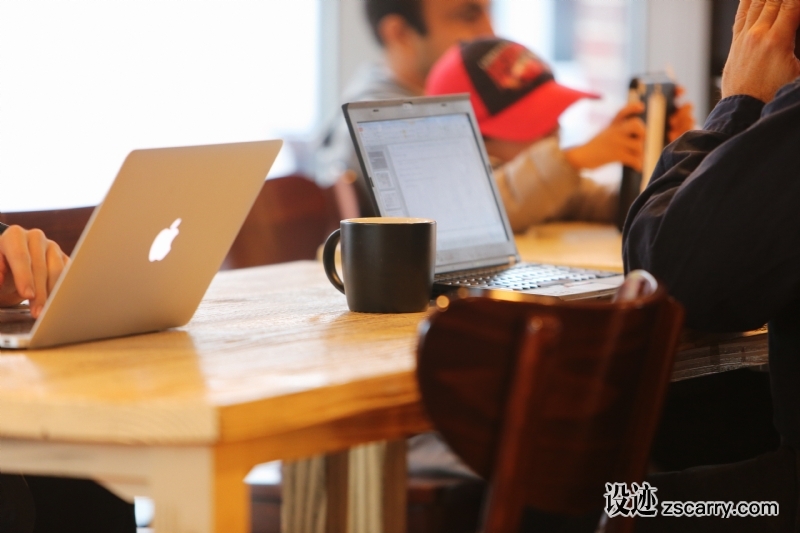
[(586, 44), (82, 83)]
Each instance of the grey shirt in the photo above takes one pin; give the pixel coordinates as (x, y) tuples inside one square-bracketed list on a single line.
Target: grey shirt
[(336, 153), (540, 185)]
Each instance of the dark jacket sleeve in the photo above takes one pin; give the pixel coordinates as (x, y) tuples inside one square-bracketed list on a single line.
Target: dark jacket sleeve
[(2, 228), (719, 223)]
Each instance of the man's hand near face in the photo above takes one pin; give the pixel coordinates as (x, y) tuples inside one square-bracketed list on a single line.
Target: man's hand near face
[(30, 265), (762, 59)]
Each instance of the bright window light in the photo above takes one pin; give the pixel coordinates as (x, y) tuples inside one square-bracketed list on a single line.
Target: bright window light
[(84, 82), (586, 44)]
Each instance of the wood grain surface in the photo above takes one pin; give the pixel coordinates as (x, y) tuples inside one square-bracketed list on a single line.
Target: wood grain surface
[(579, 244), (586, 245), (270, 350), (701, 354), (274, 352)]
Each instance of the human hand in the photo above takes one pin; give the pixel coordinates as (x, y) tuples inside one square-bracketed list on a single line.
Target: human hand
[(30, 265), (682, 120), (761, 59), (621, 141)]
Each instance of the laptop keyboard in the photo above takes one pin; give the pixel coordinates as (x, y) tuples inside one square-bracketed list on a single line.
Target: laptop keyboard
[(10, 328), (521, 277), (16, 320)]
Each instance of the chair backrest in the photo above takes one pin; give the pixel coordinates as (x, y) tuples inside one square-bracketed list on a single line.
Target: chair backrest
[(289, 220), (63, 226), (549, 400)]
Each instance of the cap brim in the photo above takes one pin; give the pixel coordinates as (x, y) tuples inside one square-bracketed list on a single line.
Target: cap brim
[(534, 116)]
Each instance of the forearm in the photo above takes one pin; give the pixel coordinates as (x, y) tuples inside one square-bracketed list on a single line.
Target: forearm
[(537, 184), (721, 215)]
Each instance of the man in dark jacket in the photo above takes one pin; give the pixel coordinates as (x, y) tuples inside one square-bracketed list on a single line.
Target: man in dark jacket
[(719, 224)]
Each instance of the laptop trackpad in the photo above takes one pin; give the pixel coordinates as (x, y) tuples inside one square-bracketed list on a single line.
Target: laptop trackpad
[(587, 288)]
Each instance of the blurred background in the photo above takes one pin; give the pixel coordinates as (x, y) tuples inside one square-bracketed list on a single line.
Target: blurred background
[(82, 83)]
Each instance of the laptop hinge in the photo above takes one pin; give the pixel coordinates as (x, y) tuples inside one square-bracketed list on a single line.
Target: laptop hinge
[(512, 260)]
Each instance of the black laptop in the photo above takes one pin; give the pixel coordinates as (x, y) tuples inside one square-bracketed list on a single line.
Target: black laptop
[(424, 157)]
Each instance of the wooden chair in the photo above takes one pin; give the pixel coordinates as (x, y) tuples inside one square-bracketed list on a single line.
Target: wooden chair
[(290, 219), (63, 226), (549, 400)]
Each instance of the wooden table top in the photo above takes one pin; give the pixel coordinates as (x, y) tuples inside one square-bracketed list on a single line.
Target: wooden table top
[(577, 244), (598, 246), (271, 350)]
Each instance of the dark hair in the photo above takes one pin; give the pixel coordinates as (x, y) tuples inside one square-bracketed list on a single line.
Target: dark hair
[(411, 10)]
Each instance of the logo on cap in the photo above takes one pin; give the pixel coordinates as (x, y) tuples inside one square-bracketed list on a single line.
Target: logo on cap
[(511, 66)]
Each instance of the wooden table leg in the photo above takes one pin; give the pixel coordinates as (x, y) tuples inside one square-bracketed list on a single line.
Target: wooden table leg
[(337, 492), (303, 499), (366, 488), (395, 487), (231, 493), (362, 490), (201, 489), (181, 484), (179, 479)]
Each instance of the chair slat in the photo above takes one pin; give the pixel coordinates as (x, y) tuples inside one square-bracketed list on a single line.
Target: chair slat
[(291, 217)]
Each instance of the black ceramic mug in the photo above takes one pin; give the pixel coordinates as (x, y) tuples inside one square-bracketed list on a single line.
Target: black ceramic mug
[(387, 263)]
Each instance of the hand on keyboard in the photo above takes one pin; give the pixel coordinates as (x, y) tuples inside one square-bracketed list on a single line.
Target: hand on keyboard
[(30, 264)]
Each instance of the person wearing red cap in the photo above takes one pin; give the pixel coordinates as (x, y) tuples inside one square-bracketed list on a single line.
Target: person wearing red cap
[(412, 35), (517, 103)]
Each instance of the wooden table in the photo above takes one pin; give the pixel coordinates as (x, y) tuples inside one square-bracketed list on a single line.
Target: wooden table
[(597, 246), (576, 244), (272, 366)]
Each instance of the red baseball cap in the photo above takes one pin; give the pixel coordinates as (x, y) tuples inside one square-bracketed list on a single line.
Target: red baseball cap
[(513, 92)]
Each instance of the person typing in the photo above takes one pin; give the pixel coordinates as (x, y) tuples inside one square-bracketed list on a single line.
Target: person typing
[(30, 265)]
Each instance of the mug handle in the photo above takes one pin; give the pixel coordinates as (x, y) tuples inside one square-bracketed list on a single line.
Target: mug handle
[(328, 255)]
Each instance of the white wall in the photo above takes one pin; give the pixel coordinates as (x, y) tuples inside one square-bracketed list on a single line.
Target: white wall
[(357, 44), (82, 83), (347, 44), (675, 34)]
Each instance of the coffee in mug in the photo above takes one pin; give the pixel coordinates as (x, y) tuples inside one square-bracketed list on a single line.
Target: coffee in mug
[(387, 263)]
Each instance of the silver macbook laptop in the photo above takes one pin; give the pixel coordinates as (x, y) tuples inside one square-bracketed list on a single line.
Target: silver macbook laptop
[(424, 157), (152, 247)]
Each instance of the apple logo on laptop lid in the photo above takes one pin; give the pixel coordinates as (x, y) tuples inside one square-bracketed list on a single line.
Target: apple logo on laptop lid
[(162, 244)]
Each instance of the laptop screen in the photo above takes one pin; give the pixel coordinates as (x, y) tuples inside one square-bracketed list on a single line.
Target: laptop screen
[(433, 167)]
